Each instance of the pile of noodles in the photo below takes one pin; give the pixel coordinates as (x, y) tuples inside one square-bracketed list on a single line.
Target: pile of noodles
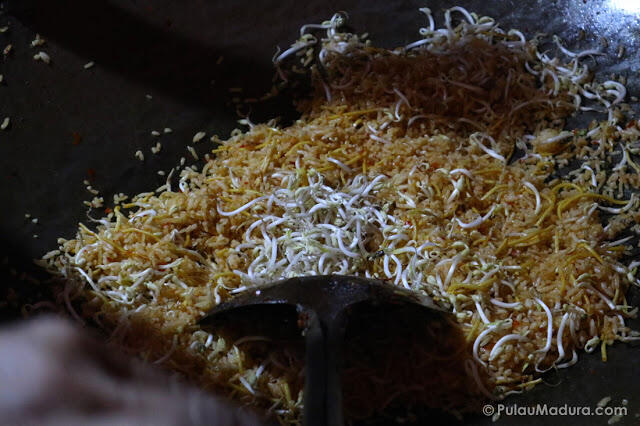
[(432, 167)]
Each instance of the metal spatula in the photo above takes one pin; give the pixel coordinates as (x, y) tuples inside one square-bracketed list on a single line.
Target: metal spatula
[(320, 302)]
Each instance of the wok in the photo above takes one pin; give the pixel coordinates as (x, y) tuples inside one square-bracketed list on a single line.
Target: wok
[(158, 64)]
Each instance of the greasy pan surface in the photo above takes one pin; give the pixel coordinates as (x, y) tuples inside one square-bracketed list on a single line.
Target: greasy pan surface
[(69, 124)]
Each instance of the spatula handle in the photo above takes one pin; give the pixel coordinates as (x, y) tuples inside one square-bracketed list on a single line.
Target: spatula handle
[(322, 389)]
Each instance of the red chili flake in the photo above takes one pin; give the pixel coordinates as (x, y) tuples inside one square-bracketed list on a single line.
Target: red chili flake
[(77, 138), (107, 210), (91, 173), (630, 124)]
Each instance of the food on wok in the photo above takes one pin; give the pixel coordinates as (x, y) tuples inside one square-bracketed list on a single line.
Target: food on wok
[(444, 167)]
